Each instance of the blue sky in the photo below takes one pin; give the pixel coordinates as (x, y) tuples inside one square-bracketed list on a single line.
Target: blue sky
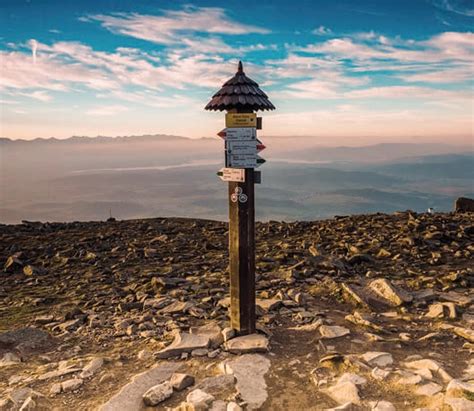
[(342, 71)]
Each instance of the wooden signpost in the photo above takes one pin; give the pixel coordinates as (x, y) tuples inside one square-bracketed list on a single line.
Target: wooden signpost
[(240, 97)]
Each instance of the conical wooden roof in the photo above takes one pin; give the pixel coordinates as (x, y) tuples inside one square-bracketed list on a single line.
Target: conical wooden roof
[(241, 93)]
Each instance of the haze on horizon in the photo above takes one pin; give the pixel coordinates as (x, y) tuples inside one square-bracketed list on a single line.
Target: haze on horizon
[(354, 75)]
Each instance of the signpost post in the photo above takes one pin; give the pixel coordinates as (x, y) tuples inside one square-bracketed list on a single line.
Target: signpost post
[(240, 97)]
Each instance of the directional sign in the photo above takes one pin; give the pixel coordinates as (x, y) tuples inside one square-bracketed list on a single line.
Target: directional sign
[(241, 120), (238, 134), (260, 146), (232, 174), (241, 147), (243, 160)]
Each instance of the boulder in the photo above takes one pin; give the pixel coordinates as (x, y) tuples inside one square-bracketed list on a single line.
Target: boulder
[(157, 394), (184, 343)]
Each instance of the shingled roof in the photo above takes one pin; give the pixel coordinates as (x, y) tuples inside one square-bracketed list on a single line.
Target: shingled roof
[(240, 93)]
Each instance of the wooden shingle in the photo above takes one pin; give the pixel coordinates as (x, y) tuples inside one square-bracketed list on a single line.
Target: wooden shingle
[(240, 92)]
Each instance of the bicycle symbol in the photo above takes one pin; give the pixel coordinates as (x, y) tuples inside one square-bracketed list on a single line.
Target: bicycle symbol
[(238, 195)]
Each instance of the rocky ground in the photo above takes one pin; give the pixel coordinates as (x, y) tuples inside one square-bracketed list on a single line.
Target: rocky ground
[(371, 312)]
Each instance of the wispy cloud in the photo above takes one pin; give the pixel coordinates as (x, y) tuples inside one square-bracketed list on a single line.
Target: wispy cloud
[(109, 110), (462, 7), (322, 31), (173, 25)]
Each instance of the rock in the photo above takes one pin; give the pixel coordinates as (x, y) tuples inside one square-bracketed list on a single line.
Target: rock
[(144, 355), (218, 384), (228, 333), (218, 405), (247, 344), (90, 369), (459, 404), (71, 385), (354, 378), (464, 205), (380, 359), (459, 389), (184, 343), (268, 304), (177, 307), (29, 405), (344, 392), (464, 333), (8, 359), (442, 310), (249, 370), (233, 406), (55, 389), (429, 389), (212, 331), (395, 297), (130, 397), (181, 381), (157, 394), (381, 406), (334, 331), (59, 373), (26, 340), (200, 400)]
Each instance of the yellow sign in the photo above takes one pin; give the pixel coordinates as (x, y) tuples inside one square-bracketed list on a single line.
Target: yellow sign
[(235, 120)]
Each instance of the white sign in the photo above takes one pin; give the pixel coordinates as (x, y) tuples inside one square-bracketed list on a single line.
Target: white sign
[(232, 174), (242, 147), (241, 160), (240, 134)]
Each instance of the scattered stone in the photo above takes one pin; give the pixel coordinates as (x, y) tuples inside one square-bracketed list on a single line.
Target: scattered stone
[(442, 310), (247, 344), (181, 381), (384, 289), (130, 397), (71, 385), (199, 399), (380, 359), (157, 394), (344, 392), (8, 359), (90, 369), (381, 406), (212, 331), (184, 343), (459, 389), (228, 333), (464, 333), (429, 389), (333, 331), (250, 370)]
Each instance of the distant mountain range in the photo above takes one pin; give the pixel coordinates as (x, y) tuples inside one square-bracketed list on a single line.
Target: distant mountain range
[(82, 178)]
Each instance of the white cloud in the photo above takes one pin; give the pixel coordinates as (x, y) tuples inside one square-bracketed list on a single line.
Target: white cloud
[(322, 31), (172, 26), (107, 110), (455, 6)]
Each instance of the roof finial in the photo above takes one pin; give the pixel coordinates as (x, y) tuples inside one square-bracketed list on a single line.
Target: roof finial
[(240, 69)]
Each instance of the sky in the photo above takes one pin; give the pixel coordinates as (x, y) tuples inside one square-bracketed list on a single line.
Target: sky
[(341, 71)]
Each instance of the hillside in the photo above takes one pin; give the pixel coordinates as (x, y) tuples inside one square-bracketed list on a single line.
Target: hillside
[(373, 309)]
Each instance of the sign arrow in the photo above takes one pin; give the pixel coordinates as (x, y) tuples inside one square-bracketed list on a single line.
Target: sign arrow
[(260, 145), (232, 174), (222, 133), (260, 161)]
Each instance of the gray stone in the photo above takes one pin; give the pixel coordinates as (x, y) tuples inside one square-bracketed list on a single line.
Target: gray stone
[(184, 343), (247, 344), (459, 389), (388, 292), (9, 359), (344, 392), (459, 404), (157, 394), (429, 389), (181, 381), (200, 400), (72, 384), (90, 369), (212, 331), (333, 331), (218, 384), (249, 370), (379, 359), (381, 406), (130, 396)]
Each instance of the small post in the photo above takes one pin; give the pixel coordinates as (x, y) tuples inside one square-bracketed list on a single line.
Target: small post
[(242, 97)]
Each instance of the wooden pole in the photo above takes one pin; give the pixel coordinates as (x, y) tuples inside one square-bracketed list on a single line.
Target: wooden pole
[(242, 253)]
